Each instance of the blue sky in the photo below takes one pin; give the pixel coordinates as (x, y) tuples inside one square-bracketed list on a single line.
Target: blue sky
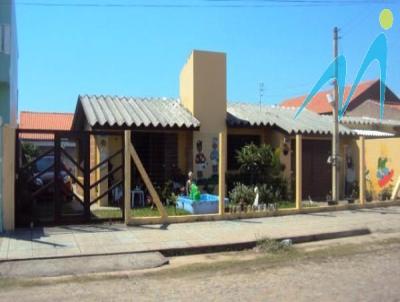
[(139, 51)]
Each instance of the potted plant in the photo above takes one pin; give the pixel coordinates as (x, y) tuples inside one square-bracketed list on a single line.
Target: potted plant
[(329, 199), (173, 200), (354, 193)]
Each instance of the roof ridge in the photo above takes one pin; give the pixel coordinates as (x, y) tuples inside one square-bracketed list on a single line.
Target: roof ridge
[(147, 98), (46, 112), (273, 106), (347, 85)]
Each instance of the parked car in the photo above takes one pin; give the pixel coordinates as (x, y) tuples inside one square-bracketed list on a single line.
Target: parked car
[(42, 179)]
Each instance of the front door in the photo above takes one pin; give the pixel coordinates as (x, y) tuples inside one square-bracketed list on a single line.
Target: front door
[(317, 173)]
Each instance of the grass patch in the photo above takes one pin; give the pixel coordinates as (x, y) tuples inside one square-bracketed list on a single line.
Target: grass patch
[(107, 214), (272, 246), (149, 212), (139, 212), (286, 205), (310, 205), (292, 205)]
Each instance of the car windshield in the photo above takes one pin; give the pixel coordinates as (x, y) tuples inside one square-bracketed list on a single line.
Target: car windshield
[(43, 163)]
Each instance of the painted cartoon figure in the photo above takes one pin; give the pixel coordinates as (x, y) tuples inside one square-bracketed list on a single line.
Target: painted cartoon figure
[(200, 159), (383, 174), (214, 156)]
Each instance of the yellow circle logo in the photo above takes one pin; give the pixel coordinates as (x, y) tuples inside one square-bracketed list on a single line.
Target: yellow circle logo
[(386, 18)]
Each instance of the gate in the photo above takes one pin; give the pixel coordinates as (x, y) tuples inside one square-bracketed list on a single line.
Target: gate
[(57, 177)]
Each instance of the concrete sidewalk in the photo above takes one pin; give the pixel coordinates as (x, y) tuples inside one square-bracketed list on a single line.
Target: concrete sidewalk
[(80, 240), (54, 267)]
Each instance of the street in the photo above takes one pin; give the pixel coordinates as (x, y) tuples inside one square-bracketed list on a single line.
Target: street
[(351, 270)]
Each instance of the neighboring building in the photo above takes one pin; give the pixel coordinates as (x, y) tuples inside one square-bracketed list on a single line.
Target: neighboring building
[(8, 79), (364, 102), (8, 63), (371, 108), (44, 121)]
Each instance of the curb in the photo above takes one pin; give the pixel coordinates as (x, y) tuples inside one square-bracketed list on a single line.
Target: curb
[(252, 244), (205, 249)]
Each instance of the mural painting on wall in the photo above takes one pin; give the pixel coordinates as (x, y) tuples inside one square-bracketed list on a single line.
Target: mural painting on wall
[(200, 160), (384, 175), (214, 156)]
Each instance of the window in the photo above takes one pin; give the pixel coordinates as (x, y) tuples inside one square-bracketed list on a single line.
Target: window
[(5, 38), (235, 143)]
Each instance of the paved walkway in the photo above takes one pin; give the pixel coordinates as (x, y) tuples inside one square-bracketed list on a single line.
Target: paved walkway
[(107, 239)]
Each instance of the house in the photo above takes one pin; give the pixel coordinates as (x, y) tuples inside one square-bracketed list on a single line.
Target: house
[(8, 95), (29, 120), (365, 101), (174, 136)]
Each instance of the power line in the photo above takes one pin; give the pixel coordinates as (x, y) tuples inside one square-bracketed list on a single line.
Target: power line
[(199, 4), (355, 25)]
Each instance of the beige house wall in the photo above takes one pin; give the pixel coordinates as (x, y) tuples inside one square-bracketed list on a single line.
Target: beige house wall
[(384, 149), (8, 177), (105, 146), (203, 93)]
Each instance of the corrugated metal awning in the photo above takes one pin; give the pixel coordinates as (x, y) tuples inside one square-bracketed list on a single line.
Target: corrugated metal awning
[(372, 133), (128, 112), (307, 122), (364, 120)]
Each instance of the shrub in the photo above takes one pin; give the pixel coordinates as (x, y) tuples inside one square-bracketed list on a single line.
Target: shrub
[(267, 194), (261, 166), (369, 195), (30, 151), (273, 246), (242, 194), (166, 191), (386, 193)]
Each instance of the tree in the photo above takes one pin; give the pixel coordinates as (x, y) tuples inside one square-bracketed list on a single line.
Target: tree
[(30, 151)]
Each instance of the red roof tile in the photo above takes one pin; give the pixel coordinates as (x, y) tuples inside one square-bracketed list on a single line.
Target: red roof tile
[(44, 121), (319, 102)]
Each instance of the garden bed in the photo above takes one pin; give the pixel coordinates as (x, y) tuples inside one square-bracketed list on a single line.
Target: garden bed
[(139, 212)]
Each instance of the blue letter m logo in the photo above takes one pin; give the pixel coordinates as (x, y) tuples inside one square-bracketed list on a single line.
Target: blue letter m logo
[(377, 51)]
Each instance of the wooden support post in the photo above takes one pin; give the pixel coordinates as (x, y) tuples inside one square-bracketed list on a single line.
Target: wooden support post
[(362, 169), (221, 172), (86, 176), (299, 174), (147, 182), (396, 190), (127, 176)]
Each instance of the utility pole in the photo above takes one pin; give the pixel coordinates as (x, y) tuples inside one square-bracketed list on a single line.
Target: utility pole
[(335, 132), (261, 92)]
